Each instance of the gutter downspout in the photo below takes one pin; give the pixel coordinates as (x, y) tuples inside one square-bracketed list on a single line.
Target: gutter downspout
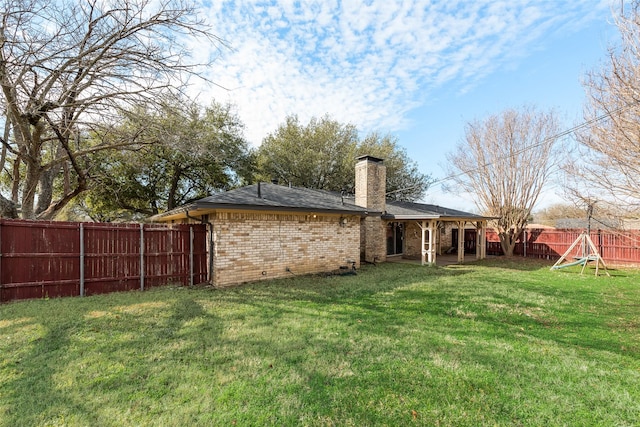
[(209, 225)]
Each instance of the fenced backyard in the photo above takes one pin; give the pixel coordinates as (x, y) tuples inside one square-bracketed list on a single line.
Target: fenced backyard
[(615, 247), (40, 259)]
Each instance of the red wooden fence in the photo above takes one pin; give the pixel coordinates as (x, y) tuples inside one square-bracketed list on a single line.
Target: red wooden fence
[(50, 259), (614, 246)]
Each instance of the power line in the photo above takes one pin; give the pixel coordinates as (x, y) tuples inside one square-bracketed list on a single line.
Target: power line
[(537, 144), (524, 149)]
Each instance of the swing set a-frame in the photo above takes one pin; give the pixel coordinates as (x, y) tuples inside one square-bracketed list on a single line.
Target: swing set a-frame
[(585, 253)]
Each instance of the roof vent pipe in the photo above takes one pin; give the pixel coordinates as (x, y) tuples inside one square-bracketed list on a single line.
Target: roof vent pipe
[(259, 191)]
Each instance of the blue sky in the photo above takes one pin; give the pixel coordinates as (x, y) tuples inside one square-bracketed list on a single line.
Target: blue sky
[(416, 69)]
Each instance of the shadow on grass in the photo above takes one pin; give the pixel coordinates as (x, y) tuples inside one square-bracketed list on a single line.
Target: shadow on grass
[(369, 281), (515, 263), (89, 365), (33, 392), (534, 264), (591, 271)]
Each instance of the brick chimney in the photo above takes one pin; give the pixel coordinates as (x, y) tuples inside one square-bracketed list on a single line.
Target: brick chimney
[(371, 184)]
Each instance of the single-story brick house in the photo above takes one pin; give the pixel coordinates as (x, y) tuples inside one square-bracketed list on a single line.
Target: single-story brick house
[(265, 230)]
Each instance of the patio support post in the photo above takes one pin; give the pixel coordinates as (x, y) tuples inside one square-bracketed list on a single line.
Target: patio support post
[(481, 240), (484, 240), (432, 243), (461, 241), (423, 251)]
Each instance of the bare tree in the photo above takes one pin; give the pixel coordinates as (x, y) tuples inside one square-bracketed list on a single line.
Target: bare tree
[(505, 161), (66, 66), (608, 167)]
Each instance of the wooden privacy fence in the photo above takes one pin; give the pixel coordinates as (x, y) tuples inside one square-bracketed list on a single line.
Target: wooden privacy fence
[(41, 259), (614, 246)]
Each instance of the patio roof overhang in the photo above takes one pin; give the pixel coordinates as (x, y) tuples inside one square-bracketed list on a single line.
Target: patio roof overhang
[(422, 217)]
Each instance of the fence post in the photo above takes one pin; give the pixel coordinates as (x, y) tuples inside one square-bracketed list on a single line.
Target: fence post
[(142, 257), (600, 248), (0, 260), (190, 255), (81, 259)]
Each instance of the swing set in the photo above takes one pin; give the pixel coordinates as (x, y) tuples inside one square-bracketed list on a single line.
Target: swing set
[(583, 254)]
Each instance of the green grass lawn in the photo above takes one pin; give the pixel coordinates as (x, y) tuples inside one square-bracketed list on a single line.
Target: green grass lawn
[(494, 343)]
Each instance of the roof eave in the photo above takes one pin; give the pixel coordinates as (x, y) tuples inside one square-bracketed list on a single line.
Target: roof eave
[(173, 212), (410, 217), (212, 207), (435, 216), (465, 218)]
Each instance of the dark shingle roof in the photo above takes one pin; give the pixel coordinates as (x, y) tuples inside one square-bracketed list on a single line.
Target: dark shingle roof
[(409, 209), (273, 195), (270, 197), (265, 196)]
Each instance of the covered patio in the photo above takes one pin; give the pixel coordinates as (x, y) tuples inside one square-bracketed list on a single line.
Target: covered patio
[(426, 232)]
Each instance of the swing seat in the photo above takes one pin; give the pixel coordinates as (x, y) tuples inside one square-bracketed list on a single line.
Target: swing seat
[(579, 261)]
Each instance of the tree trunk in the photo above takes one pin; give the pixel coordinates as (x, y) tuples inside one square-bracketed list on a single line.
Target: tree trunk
[(173, 189), (32, 177), (5, 141), (45, 195), (15, 185), (55, 207), (47, 178), (8, 209), (508, 242)]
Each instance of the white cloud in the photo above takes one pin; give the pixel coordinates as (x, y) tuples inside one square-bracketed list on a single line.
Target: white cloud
[(369, 63)]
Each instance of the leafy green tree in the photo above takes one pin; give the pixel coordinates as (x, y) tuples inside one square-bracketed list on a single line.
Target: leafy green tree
[(316, 155), (322, 155), (184, 152), (404, 180)]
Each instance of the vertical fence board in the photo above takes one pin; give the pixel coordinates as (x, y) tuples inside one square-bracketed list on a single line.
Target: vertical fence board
[(82, 262)]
